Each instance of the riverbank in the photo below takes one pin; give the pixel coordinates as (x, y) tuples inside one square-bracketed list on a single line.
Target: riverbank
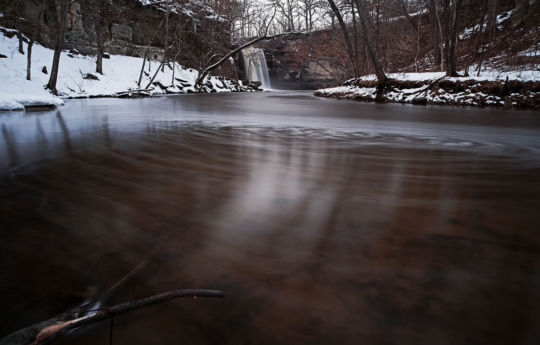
[(509, 89), (77, 77)]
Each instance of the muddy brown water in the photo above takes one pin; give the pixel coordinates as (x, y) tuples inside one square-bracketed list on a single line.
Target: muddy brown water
[(324, 222)]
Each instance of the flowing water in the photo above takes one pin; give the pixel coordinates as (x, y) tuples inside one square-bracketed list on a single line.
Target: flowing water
[(255, 67), (323, 221)]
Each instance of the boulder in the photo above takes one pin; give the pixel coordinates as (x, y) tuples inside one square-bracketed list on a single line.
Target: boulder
[(90, 76), (2, 56), (44, 70), (419, 100)]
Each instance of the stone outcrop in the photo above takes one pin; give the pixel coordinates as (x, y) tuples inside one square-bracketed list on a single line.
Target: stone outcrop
[(288, 71), (129, 27)]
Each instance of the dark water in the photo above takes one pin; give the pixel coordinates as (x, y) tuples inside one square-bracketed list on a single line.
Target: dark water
[(325, 222)]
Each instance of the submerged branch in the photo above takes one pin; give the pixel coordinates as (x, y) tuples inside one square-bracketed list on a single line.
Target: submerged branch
[(48, 331)]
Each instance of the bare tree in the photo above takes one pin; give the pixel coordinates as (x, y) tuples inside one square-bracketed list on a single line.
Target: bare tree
[(451, 65), (99, 25), (492, 14), (59, 40), (346, 37), (371, 45), (37, 24)]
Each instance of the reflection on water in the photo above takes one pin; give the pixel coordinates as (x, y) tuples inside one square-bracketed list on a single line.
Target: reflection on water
[(376, 225)]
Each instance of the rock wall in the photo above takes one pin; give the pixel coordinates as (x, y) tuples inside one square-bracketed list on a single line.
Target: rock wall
[(129, 27), (290, 69)]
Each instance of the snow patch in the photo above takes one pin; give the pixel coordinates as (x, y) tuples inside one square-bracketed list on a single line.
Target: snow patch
[(485, 75), (121, 74)]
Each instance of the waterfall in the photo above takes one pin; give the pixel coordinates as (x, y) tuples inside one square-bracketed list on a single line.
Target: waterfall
[(255, 66)]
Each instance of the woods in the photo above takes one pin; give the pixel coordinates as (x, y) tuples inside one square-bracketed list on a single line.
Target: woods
[(368, 30)]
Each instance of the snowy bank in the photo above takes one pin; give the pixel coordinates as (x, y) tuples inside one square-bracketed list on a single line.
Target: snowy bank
[(77, 77), (519, 89)]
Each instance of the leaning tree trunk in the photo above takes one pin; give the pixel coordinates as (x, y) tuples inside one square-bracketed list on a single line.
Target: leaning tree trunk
[(51, 85), (212, 67), (372, 47), (346, 37)]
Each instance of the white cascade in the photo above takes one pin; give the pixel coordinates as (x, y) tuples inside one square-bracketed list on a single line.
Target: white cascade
[(255, 66)]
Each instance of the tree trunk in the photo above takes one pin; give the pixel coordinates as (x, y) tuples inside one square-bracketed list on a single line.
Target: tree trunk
[(355, 40), (452, 61), (165, 49), (142, 67), (51, 85), (346, 38), (20, 37), (437, 33), (492, 14), (521, 9), (32, 40), (372, 48), (99, 24)]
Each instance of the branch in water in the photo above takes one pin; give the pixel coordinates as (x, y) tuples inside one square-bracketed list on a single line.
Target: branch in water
[(48, 331)]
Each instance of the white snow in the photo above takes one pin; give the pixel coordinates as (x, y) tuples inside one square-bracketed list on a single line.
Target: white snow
[(412, 15), (485, 75), (438, 96), (500, 19), (190, 8), (120, 74)]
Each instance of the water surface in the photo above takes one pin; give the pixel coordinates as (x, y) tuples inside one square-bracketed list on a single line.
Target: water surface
[(323, 221)]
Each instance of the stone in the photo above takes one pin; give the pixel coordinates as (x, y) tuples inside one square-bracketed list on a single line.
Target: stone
[(2, 56), (106, 56), (44, 70), (90, 76), (74, 51), (419, 100)]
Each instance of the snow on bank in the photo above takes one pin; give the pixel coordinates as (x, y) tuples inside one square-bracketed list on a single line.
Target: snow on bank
[(433, 88), (485, 75), (120, 74)]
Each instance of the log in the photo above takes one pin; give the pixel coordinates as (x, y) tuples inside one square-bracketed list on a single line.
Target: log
[(134, 92)]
